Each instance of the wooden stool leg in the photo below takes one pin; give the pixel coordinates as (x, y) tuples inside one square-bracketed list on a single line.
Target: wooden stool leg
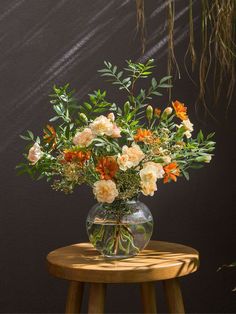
[(74, 297), (96, 298), (174, 296), (148, 293)]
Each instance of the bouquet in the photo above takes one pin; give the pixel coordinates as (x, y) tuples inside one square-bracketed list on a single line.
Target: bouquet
[(118, 150)]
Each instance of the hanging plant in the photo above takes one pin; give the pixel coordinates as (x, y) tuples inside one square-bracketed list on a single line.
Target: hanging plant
[(218, 49)]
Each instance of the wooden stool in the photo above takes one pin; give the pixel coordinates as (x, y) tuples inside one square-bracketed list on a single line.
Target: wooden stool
[(80, 263)]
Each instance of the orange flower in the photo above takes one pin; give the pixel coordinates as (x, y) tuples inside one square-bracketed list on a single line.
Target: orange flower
[(180, 110), (77, 156), (171, 172), (107, 167), (157, 112), (50, 135), (142, 134)]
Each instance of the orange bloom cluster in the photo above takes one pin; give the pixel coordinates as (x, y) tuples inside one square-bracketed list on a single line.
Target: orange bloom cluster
[(142, 134), (171, 172), (50, 135), (107, 167), (180, 110), (77, 156)]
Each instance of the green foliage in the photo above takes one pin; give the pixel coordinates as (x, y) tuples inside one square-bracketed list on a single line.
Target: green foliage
[(63, 103), (96, 105)]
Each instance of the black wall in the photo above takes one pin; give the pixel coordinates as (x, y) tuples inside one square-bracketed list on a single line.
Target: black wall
[(43, 42)]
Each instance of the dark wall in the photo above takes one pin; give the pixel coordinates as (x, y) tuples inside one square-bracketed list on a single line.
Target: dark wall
[(43, 42)]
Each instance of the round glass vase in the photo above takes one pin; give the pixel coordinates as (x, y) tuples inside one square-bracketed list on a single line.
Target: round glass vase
[(121, 229)]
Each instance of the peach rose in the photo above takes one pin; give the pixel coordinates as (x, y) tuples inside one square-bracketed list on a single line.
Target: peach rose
[(105, 191), (83, 138), (131, 157), (102, 126), (158, 168), (35, 153), (148, 188)]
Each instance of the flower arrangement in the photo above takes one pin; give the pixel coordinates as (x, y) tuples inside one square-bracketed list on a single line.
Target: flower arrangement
[(120, 151)]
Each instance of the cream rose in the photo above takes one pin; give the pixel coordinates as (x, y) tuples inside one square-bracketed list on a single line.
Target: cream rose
[(35, 154), (148, 188), (105, 191), (131, 157), (158, 167), (83, 138), (102, 126)]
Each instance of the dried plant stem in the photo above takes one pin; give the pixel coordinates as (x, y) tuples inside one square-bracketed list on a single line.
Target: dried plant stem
[(141, 22), (191, 48), (171, 52)]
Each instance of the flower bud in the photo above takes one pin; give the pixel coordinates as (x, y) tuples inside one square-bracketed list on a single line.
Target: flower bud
[(168, 111), (83, 117), (206, 158), (149, 112), (126, 107)]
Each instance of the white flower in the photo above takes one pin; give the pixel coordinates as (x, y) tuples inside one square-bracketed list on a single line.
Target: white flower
[(83, 138), (105, 191), (102, 126), (35, 154), (148, 188), (188, 125), (150, 165), (111, 116), (131, 157)]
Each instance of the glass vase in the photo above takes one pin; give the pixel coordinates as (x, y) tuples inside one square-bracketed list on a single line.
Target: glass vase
[(121, 229)]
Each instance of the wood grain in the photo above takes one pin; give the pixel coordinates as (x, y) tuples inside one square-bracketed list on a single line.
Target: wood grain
[(96, 298), (74, 297), (174, 296), (148, 294), (159, 261)]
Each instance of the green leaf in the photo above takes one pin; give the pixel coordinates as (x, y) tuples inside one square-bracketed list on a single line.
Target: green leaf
[(200, 137), (165, 85), (26, 138), (54, 118), (156, 93), (186, 174), (31, 135), (166, 78), (154, 83)]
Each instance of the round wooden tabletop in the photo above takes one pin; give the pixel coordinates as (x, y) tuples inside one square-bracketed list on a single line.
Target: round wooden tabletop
[(158, 261)]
